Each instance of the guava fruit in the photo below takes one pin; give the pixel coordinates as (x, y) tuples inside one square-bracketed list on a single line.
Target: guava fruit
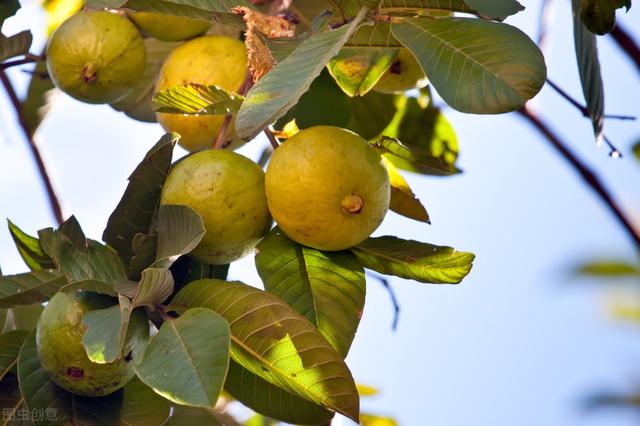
[(168, 27), (403, 74), (213, 60), (59, 341), (96, 57), (227, 190), (327, 188)]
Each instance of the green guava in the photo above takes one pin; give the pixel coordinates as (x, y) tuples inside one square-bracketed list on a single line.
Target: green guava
[(168, 27), (96, 57), (215, 60), (403, 74), (227, 190), (327, 188), (59, 341)]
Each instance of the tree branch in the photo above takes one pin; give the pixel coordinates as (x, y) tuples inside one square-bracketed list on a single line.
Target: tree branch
[(583, 109), (626, 43), (54, 202), (272, 138), (587, 175)]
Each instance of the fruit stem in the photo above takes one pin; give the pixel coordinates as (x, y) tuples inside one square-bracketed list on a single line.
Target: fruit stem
[(88, 73), (352, 204)]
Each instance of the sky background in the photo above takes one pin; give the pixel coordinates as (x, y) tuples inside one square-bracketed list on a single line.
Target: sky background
[(522, 341)]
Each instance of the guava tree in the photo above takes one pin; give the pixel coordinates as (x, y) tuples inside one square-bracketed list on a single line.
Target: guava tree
[(144, 327)]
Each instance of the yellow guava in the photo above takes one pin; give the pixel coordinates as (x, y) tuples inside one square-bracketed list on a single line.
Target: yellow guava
[(168, 27), (327, 188), (227, 190), (403, 74), (59, 342), (215, 60), (96, 57)]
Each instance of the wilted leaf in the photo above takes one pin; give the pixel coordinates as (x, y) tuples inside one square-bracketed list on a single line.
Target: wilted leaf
[(16, 45), (180, 230), (30, 249), (10, 344), (403, 200), (29, 288)]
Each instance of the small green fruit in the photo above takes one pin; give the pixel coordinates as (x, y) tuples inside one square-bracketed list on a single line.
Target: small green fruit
[(227, 190), (96, 57), (403, 74), (59, 341), (168, 27)]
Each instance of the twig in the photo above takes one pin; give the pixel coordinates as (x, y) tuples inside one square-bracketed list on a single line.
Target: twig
[(626, 43), (222, 134), (587, 175), (394, 300), (54, 202), (272, 138), (546, 13), (583, 109), (28, 59)]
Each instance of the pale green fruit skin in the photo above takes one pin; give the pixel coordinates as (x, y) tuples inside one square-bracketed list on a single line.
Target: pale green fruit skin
[(59, 341), (227, 190), (96, 57), (168, 27), (404, 74), (217, 60), (312, 174)]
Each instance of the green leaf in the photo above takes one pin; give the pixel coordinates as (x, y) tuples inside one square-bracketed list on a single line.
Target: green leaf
[(135, 211), (358, 70), (187, 360), (373, 420), (636, 150), (30, 249), (269, 400), (609, 268), (198, 99), (281, 88), (95, 286), (273, 341), (414, 260), (495, 9), (10, 344), (71, 229), (141, 406), (599, 16), (29, 288), (8, 8), (203, 9), (190, 416), (39, 97), (589, 69), (16, 45), (23, 317), (414, 155), (476, 66), (188, 269), (180, 230), (450, 5), (144, 249), (403, 200), (327, 288), (154, 288)]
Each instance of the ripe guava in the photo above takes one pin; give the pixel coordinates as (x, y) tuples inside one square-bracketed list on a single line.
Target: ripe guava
[(227, 190), (327, 188), (96, 57), (168, 27), (59, 341), (404, 74), (214, 60)]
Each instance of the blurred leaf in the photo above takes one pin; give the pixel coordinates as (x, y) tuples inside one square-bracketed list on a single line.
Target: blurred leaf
[(259, 420), (403, 200), (589, 69), (626, 311), (187, 360), (365, 390), (39, 98), (505, 70), (180, 230), (371, 113), (495, 9), (23, 317), (599, 16), (95, 286), (414, 260), (29, 288), (280, 89), (197, 99), (273, 341), (8, 8), (417, 156), (30, 249), (373, 420), (141, 406), (16, 45), (59, 10), (10, 344), (135, 211), (357, 70), (609, 268), (636, 150), (327, 288), (154, 288), (191, 416)]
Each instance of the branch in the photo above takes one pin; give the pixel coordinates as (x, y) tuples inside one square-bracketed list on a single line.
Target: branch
[(587, 175), (394, 300), (28, 59), (547, 10), (626, 43), (54, 203), (583, 109), (272, 138)]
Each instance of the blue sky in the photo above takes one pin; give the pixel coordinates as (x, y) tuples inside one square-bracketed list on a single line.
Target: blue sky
[(521, 341)]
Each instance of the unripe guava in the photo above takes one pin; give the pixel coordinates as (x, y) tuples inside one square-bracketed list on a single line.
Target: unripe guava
[(227, 190), (59, 341), (327, 188), (404, 74), (168, 27), (96, 57), (213, 60)]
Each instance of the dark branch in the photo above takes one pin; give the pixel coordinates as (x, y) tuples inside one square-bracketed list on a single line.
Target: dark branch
[(626, 43), (394, 300), (272, 138), (583, 109), (587, 175), (54, 203)]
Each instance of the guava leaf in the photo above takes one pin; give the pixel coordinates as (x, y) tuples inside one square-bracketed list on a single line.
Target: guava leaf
[(10, 344), (275, 342), (30, 249), (269, 400), (141, 406), (11, 400), (189, 8), (481, 67), (403, 200), (495, 9), (358, 70), (135, 211), (180, 230), (71, 229), (95, 286), (154, 288), (281, 88), (636, 150), (586, 47), (414, 260), (144, 249), (609, 268), (200, 99), (327, 288), (16, 45), (599, 16), (190, 416), (187, 269), (23, 317), (374, 420), (413, 154), (29, 288), (8, 8), (187, 360), (451, 5)]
